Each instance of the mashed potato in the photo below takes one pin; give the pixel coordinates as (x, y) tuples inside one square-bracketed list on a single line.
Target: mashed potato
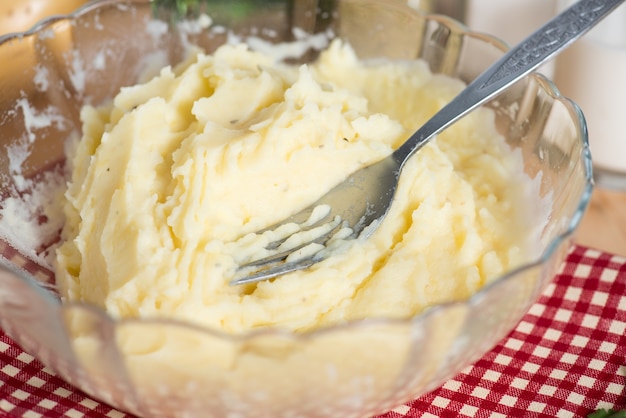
[(171, 180)]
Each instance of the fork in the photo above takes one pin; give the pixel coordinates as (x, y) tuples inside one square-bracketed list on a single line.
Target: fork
[(354, 208)]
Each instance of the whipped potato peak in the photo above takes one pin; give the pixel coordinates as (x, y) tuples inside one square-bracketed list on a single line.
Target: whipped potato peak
[(171, 181)]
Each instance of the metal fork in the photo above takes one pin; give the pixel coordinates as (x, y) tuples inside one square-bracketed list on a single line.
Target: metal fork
[(354, 208)]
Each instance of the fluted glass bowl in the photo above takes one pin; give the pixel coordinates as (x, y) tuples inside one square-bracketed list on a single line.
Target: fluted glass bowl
[(356, 369)]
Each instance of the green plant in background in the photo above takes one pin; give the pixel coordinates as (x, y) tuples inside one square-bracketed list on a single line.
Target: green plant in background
[(177, 7), (607, 413)]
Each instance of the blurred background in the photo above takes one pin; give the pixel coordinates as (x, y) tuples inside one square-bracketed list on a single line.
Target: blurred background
[(20, 15), (592, 72)]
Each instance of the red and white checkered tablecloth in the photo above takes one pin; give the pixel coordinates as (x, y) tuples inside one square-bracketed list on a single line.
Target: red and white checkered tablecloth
[(566, 358)]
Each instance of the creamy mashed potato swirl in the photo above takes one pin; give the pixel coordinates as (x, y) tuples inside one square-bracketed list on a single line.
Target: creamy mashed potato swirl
[(170, 181)]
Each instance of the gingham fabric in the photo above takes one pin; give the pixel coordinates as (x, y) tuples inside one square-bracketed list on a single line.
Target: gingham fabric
[(566, 358)]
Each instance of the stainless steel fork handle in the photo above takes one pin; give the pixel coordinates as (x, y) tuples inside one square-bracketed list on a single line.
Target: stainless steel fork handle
[(539, 47)]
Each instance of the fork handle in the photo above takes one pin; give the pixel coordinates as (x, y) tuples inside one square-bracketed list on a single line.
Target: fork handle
[(556, 35)]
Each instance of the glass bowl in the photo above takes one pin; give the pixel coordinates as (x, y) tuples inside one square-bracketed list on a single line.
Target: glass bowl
[(356, 369)]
